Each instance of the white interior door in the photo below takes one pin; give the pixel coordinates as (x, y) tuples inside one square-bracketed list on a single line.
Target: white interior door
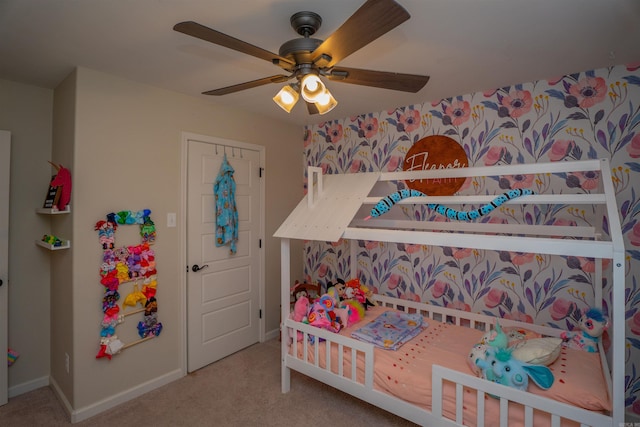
[(5, 161), (224, 296)]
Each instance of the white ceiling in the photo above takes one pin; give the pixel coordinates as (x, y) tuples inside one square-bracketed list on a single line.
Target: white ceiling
[(464, 45)]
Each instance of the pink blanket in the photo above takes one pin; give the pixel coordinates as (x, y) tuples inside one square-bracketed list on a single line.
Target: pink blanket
[(406, 373)]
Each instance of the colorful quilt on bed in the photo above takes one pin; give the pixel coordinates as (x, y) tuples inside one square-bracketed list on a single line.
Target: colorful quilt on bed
[(391, 329)]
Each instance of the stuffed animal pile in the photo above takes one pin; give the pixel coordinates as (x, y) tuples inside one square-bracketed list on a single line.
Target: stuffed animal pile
[(512, 358), (350, 291), (340, 307)]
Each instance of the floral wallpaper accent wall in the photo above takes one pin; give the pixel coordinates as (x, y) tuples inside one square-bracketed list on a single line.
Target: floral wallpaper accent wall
[(587, 115)]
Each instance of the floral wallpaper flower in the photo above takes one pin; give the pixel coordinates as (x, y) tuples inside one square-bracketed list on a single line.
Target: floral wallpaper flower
[(588, 115)]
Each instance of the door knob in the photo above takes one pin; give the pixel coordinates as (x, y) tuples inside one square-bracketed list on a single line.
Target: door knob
[(197, 268)]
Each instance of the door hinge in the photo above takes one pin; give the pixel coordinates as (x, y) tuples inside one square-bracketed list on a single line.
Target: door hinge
[(261, 313), (260, 170), (260, 243)]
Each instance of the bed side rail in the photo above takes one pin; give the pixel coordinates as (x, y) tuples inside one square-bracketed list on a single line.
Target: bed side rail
[(458, 317), (348, 379), (507, 395), (346, 365)]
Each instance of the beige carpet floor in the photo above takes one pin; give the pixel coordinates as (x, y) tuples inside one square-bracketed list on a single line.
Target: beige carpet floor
[(240, 390)]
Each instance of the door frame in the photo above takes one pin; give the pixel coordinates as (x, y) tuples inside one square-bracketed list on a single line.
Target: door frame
[(213, 140), (5, 150)]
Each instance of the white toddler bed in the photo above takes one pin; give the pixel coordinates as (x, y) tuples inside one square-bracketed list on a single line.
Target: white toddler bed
[(453, 396)]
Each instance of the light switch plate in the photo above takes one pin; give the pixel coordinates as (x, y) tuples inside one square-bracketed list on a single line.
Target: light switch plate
[(171, 219)]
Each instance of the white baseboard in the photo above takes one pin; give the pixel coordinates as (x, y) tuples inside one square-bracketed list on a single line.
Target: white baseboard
[(19, 389), (110, 402), (272, 334), (61, 397)]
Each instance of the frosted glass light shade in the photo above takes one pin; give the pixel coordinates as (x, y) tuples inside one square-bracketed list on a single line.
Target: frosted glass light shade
[(286, 98), (326, 102), (312, 88)]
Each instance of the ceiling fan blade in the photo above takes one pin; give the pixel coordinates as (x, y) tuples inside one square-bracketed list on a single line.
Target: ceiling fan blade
[(194, 29), (382, 79), (311, 108), (247, 85), (373, 19)]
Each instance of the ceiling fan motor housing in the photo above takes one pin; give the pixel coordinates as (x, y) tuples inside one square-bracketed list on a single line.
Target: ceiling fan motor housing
[(299, 50)]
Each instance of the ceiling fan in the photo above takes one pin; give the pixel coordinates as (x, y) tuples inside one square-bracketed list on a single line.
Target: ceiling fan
[(306, 59)]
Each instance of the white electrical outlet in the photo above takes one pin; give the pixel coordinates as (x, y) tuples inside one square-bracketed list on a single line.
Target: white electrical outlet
[(66, 362)]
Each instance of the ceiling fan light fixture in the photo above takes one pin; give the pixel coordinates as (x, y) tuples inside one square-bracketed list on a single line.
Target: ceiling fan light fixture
[(287, 98), (307, 59), (326, 102), (312, 88)]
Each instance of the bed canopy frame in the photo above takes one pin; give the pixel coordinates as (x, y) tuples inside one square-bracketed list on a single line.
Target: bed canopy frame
[(333, 210)]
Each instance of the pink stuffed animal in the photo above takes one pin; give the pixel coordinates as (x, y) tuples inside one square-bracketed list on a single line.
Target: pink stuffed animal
[(322, 314), (299, 314), (300, 309), (354, 312)]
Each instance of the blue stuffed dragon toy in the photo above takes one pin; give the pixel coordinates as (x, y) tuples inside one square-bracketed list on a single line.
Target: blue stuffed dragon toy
[(498, 365)]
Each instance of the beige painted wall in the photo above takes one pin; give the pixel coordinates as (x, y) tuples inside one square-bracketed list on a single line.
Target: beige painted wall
[(121, 141), (26, 111), (62, 300), (127, 156)]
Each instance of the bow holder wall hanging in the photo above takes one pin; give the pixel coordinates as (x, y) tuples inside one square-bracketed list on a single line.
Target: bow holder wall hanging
[(131, 266)]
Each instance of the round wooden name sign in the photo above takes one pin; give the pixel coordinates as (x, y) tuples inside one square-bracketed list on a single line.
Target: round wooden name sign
[(435, 152)]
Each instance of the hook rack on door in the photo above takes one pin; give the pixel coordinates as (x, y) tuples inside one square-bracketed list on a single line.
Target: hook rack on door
[(233, 150)]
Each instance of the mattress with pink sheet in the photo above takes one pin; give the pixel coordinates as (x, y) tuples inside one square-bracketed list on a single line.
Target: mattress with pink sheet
[(406, 372)]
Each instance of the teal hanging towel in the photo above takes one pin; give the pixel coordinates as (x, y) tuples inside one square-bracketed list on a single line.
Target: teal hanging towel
[(224, 190)]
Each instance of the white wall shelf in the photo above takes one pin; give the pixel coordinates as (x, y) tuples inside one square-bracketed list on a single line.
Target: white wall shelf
[(53, 211), (66, 244)]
